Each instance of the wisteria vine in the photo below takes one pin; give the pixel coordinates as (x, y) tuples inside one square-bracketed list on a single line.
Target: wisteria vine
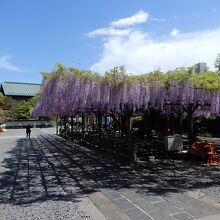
[(65, 96)]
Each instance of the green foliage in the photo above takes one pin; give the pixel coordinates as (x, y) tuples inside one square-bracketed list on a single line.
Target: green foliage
[(74, 70), (2, 99), (209, 80), (8, 103), (117, 75), (5, 108), (178, 76), (155, 77), (136, 121), (60, 71), (46, 76), (23, 110), (4, 116), (90, 75)]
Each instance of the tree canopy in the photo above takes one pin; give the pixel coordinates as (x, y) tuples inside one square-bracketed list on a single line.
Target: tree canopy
[(6, 104), (2, 99), (23, 109), (70, 90)]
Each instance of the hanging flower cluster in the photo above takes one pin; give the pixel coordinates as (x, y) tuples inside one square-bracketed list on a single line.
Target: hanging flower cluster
[(66, 96)]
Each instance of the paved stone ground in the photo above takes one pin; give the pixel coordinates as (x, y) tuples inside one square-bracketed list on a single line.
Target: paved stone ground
[(31, 187), (46, 177)]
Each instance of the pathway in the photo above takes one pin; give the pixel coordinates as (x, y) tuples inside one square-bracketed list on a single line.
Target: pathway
[(46, 177)]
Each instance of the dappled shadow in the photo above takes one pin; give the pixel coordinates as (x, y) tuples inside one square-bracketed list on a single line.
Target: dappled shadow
[(165, 176), (31, 176), (151, 177), (50, 168)]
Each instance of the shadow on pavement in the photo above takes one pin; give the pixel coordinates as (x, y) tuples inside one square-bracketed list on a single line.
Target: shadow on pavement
[(49, 168), (30, 178)]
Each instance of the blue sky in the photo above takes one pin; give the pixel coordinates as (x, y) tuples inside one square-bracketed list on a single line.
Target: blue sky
[(143, 35)]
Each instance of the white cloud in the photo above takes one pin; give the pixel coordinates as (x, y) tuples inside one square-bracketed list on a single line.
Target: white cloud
[(141, 54), (158, 19), (109, 32), (5, 64), (174, 32), (140, 17), (118, 27)]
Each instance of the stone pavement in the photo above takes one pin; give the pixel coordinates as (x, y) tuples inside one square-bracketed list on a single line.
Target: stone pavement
[(85, 184)]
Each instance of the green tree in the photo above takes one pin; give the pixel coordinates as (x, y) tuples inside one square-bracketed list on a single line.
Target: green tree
[(23, 110), (209, 80), (2, 99), (6, 104)]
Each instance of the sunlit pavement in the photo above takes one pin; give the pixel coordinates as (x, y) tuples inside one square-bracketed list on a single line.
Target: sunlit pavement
[(46, 168)]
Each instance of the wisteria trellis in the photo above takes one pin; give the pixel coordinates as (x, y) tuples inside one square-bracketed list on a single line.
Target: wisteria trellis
[(66, 96)]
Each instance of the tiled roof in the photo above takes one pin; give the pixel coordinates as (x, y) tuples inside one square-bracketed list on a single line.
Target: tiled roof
[(20, 89)]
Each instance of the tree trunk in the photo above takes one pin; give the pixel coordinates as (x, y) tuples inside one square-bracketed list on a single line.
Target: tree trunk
[(65, 126), (130, 144), (71, 124), (56, 125), (106, 120), (83, 126), (180, 124), (99, 116), (191, 135), (93, 130)]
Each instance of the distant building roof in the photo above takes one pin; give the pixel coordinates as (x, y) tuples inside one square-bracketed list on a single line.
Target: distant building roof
[(201, 67), (20, 89)]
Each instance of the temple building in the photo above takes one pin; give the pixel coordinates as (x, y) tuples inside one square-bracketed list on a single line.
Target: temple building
[(20, 91)]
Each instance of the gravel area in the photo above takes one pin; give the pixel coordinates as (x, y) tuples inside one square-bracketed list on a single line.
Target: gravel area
[(42, 211), (46, 177), (29, 187)]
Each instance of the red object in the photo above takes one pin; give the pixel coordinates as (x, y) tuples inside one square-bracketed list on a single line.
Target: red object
[(205, 150)]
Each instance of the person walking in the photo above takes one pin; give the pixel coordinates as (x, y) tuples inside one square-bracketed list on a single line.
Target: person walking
[(28, 130)]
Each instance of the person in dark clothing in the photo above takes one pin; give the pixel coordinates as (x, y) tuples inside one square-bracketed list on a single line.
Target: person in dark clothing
[(28, 130)]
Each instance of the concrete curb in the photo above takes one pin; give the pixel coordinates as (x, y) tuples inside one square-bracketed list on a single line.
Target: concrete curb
[(210, 217)]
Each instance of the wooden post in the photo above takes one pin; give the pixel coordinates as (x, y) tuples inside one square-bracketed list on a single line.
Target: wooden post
[(65, 127), (86, 122), (106, 120), (191, 137), (56, 125), (71, 122), (61, 124), (180, 123), (130, 144), (93, 130), (83, 126), (99, 128), (190, 111)]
